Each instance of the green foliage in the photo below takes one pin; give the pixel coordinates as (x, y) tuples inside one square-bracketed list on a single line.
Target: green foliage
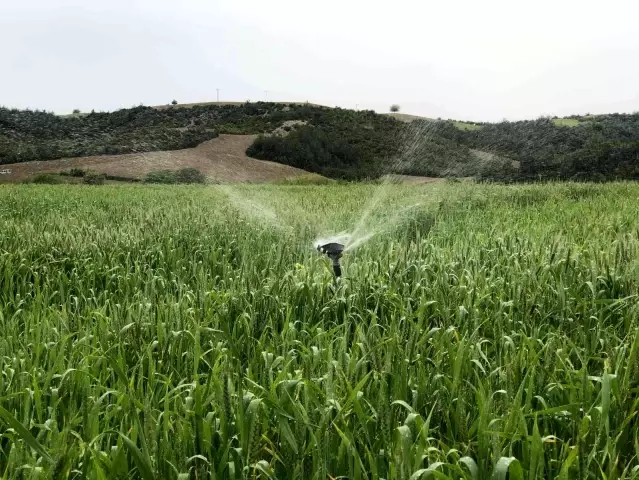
[(45, 178), (28, 135), (566, 122), (77, 172), (94, 178), (171, 177), (173, 334), (338, 144), (189, 175), (161, 176), (345, 146), (467, 125), (604, 147), (121, 178)]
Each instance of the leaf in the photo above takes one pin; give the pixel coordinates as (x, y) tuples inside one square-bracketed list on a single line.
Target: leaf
[(264, 467), (605, 401), (430, 472), (287, 433), (506, 466), (25, 434), (403, 404), (537, 453), (144, 467), (404, 434), (471, 465), (565, 468)]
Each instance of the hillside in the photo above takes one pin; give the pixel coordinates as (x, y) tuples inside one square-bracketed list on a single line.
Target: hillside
[(222, 159), (598, 147), (333, 142)]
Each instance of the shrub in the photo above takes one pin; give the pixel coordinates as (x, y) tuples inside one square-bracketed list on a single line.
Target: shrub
[(76, 172), (161, 176), (45, 178), (94, 178), (189, 175), (394, 108), (121, 178), (76, 111), (171, 177), (174, 102)]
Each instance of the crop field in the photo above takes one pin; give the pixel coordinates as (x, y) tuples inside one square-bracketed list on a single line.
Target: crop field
[(479, 331)]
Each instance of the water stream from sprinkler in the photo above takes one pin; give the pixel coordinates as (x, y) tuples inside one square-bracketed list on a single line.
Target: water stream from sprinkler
[(375, 217), (367, 226)]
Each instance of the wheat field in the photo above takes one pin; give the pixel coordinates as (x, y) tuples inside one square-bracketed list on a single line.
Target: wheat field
[(480, 331)]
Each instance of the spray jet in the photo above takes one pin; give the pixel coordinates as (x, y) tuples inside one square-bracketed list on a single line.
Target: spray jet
[(334, 252)]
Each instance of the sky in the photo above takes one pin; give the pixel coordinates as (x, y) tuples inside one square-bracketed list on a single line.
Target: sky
[(482, 60)]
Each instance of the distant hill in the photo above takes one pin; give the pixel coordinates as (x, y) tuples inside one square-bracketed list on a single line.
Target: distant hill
[(341, 143)]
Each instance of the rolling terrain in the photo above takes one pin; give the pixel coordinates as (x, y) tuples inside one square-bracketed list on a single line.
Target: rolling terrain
[(222, 159), (332, 142)]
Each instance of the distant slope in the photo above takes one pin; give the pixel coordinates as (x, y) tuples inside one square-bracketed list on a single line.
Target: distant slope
[(221, 160), (333, 142), (408, 118), (405, 117)]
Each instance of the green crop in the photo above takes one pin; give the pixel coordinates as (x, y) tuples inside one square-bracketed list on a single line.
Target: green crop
[(194, 332)]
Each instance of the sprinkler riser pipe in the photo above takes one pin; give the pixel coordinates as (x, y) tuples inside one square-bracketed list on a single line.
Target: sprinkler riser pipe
[(337, 269)]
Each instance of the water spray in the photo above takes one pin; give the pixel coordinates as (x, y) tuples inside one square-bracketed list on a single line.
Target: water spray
[(334, 251)]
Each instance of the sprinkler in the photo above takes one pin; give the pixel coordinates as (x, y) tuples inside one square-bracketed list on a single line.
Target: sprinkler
[(334, 252)]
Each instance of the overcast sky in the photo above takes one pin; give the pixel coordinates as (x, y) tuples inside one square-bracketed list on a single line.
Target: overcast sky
[(465, 59)]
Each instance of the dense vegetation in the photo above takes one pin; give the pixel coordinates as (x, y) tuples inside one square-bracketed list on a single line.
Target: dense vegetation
[(342, 143), (162, 333), (601, 148), (173, 177), (337, 143), (604, 147), (27, 135)]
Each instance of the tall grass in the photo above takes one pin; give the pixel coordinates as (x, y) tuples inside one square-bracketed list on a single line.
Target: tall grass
[(184, 332)]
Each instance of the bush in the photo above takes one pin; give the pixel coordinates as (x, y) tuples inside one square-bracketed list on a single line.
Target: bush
[(190, 175), (174, 102), (94, 178), (76, 172), (171, 177), (45, 179), (394, 108), (76, 111), (120, 178), (161, 176)]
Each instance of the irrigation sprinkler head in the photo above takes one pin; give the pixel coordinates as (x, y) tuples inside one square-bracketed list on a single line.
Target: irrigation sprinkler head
[(334, 252)]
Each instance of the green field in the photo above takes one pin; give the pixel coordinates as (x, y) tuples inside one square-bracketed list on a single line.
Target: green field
[(566, 122), (194, 332), (466, 126)]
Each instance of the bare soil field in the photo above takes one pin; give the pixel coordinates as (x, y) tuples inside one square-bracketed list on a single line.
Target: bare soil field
[(221, 160)]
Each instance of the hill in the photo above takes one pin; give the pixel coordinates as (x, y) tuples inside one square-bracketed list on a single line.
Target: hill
[(336, 142), (222, 159)]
